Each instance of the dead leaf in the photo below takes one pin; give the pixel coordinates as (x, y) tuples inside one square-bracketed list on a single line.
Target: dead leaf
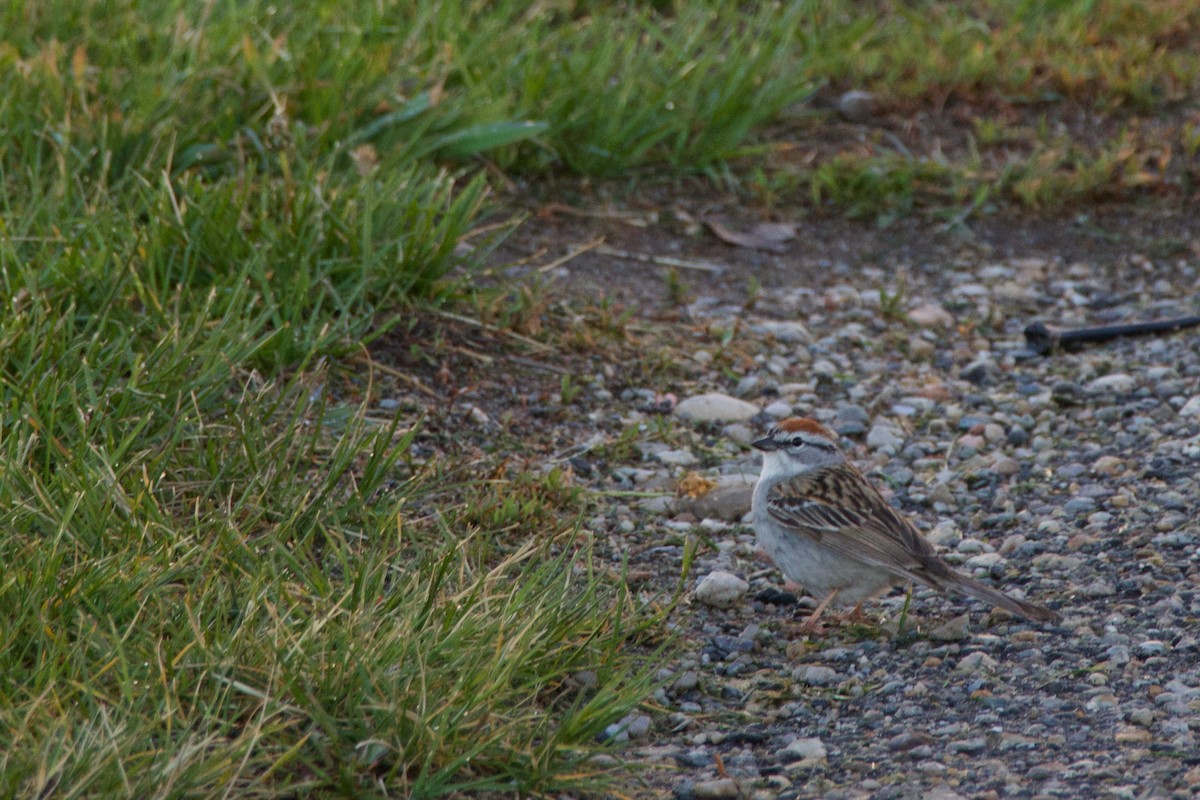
[(769, 236), (695, 485)]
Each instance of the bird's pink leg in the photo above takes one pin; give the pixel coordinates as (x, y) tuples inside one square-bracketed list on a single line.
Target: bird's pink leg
[(813, 623)]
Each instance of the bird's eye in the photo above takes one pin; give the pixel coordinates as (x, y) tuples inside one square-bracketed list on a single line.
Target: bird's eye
[(797, 442)]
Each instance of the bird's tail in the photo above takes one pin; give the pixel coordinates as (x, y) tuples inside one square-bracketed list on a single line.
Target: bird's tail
[(984, 593)]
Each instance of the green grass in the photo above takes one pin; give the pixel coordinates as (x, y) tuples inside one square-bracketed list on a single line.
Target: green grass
[(226, 574)]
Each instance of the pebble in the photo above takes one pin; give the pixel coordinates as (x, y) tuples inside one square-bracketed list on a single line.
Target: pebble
[(720, 589), (715, 408), (808, 751), (952, 630), (728, 502), (1079, 505), (1116, 383), (677, 458), (931, 315), (983, 372), (778, 410), (739, 433), (749, 386), (816, 675), (787, 331), (976, 662), (884, 436), (1191, 408), (945, 533), (1005, 466), (714, 790), (856, 105), (1152, 647)]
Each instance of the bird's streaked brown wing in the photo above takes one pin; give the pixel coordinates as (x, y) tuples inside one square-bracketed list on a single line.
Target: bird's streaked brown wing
[(839, 509)]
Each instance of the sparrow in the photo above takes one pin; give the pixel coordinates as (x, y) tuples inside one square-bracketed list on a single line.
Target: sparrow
[(828, 529)]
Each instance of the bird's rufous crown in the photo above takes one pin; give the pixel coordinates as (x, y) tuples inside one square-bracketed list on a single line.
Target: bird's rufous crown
[(805, 425)]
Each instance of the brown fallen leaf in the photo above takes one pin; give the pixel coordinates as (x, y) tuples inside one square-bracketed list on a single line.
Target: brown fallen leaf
[(695, 485), (769, 236)]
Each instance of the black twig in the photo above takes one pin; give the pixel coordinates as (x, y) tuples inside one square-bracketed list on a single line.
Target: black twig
[(1044, 340)]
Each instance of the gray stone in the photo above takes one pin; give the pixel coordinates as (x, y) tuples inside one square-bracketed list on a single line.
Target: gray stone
[(953, 630), (787, 331), (748, 386), (715, 408), (720, 589), (945, 534), (931, 315), (677, 458), (1152, 647), (718, 789), (884, 435), (1191, 408), (728, 502), (856, 105), (1116, 383), (809, 750), (816, 675), (976, 662), (739, 433), (1079, 505), (779, 410)]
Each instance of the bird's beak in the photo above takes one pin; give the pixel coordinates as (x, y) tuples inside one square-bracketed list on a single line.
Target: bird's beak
[(766, 444)]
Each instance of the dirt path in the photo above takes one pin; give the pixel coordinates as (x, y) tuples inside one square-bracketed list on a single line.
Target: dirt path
[(1071, 479)]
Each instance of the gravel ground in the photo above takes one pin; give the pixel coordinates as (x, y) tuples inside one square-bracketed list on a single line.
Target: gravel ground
[(1071, 479)]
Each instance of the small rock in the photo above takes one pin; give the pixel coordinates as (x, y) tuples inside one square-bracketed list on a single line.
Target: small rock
[(884, 435), (976, 662), (1152, 647), (1191, 408), (715, 408), (1079, 505), (810, 750), (716, 789), (739, 433), (930, 315), (778, 410), (638, 726), (720, 589), (1131, 734), (816, 675), (1116, 383), (687, 680), (1108, 465), (976, 744), (1018, 437), (677, 458), (479, 416), (787, 331), (856, 106), (983, 372), (657, 504), (941, 493), (748, 386), (1006, 466), (985, 560), (953, 630), (729, 503), (945, 534), (941, 792)]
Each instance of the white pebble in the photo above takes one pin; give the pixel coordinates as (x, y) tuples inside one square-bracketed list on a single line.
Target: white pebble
[(720, 589)]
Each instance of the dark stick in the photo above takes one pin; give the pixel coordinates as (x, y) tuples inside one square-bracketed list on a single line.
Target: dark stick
[(1042, 339)]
